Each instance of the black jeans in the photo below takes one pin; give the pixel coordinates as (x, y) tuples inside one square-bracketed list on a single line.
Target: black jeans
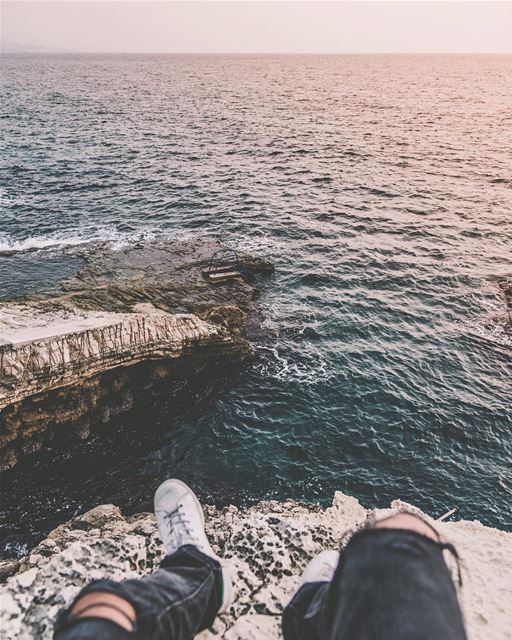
[(390, 584), (175, 602)]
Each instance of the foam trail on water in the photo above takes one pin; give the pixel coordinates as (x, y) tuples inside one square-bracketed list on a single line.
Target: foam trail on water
[(39, 242), (59, 239), (73, 238), (283, 368), (260, 243), (494, 324)]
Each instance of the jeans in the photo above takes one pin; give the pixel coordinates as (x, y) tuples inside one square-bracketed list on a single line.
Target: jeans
[(178, 600), (390, 584)]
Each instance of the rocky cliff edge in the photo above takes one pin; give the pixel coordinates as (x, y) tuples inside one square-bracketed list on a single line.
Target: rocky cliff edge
[(266, 547)]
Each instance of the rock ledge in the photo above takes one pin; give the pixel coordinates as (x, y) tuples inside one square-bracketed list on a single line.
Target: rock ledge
[(266, 548), (128, 326)]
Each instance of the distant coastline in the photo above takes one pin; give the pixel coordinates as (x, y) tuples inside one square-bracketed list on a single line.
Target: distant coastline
[(9, 47)]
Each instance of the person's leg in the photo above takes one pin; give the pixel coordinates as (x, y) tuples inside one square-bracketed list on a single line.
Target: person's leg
[(391, 583), (303, 618), (177, 601)]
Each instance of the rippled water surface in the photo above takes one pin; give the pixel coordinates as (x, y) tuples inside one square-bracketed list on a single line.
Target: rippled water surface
[(382, 189)]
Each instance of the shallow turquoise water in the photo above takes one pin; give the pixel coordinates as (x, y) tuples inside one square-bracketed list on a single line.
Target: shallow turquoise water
[(380, 186)]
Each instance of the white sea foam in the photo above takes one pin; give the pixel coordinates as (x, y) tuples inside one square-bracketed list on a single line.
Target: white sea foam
[(274, 364), (260, 243), (58, 239), (40, 242), (494, 325), (117, 239), (496, 330)]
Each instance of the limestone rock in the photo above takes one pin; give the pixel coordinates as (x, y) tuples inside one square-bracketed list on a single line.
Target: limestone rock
[(98, 517), (55, 349), (254, 627), (265, 549), (99, 344)]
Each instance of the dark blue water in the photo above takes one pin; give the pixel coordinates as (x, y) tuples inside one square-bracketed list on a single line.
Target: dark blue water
[(381, 186)]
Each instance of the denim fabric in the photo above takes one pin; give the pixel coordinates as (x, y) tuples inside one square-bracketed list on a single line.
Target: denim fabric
[(390, 584), (175, 602)]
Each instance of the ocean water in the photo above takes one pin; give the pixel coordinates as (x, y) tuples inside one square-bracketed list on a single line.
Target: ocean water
[(381, 187)]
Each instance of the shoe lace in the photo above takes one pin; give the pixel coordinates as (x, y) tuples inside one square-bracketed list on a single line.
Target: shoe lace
[(177, 521)]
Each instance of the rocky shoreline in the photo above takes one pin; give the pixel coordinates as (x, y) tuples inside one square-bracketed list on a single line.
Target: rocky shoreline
[(128, 323), (265, 547)]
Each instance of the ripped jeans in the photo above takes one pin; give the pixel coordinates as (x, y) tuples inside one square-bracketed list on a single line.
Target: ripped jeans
[(178, 600), (390, 584)]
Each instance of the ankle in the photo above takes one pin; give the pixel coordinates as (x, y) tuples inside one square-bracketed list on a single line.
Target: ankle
[(107, 606)]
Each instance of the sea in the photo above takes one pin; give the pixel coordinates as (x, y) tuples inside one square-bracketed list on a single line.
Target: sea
[(381, 188)]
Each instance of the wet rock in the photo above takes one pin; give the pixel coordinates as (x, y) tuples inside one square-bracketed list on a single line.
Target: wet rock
[(166, 274), (229, 316)]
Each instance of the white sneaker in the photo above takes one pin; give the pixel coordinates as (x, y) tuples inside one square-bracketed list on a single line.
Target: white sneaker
[(180, 520), (321, 568)]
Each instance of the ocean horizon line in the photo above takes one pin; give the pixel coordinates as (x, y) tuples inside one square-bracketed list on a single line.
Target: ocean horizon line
[(260, 53)]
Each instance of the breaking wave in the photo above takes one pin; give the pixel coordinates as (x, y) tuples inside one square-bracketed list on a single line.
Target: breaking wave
[(274, 363), (117, 239), (55, 240)]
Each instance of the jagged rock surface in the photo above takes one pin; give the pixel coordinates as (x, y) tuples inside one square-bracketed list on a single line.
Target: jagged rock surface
[(266, 548), (44, 362), (166, 274), (101, 343), (58, 389)]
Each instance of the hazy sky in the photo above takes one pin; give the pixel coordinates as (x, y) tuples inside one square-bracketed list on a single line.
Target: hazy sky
[(259, 26)]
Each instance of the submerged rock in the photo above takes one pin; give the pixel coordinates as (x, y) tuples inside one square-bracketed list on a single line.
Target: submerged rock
[(128, 323), (265, 547), (166, 274)]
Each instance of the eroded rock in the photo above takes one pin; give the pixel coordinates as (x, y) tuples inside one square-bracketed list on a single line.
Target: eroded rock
[(265, 548), (102, 343)]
